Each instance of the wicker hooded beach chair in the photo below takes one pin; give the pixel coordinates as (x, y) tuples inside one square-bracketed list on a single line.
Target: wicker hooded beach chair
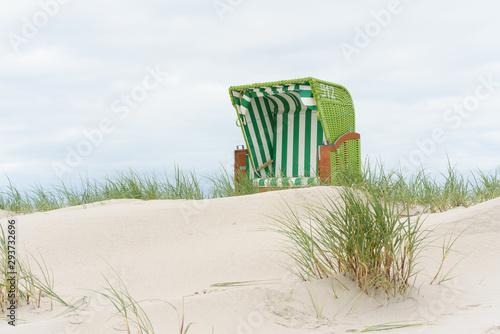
[(296, 132)]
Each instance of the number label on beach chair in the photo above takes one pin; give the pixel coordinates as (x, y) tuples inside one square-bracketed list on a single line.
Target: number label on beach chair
[(328, 91)]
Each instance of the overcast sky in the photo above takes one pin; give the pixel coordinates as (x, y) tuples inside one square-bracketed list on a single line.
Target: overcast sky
[(144, 84)]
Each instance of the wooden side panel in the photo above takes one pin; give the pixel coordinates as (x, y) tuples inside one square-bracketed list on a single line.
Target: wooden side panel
[(324, 162), (240, 164)]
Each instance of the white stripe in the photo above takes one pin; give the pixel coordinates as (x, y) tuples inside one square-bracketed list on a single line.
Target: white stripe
[(290, 101), (268, 123), (242, 110), (279, 134), (302, 139), (290, 134), (281, 106), (279, 143), (308, 101)]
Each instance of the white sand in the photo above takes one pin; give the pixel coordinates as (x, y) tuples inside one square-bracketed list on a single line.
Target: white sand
[(3, 213), (167, 250)]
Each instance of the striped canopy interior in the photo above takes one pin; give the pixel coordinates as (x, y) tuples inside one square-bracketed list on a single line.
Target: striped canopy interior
[(280, 123)]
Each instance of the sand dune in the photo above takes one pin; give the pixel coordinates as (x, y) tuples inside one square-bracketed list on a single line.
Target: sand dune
[(169, 249), (3, 213)]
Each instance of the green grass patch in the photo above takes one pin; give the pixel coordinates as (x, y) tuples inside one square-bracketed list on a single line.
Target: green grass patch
[(363, 236), (131, 311), (390, 325), (29, 288), (242, 283), (434, 192)]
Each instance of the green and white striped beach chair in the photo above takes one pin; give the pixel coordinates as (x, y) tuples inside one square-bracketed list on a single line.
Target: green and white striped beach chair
[(292, 130)]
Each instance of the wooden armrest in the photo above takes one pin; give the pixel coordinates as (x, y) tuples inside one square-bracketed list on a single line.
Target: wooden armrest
[(265, 165), (344, 138), (324, 160)]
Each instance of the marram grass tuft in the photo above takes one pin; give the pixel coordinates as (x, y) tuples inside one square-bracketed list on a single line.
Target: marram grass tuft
[(363, 235)]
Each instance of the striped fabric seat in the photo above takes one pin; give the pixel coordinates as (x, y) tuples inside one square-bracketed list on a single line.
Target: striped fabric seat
[(282, 129), (286, 182), (284, 123), (298, 133)]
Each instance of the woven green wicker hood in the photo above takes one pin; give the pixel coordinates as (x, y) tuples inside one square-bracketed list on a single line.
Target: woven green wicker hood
[(333, 103)]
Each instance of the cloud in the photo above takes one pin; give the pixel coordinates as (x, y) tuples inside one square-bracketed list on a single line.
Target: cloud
[(66, 79), (52, 61)]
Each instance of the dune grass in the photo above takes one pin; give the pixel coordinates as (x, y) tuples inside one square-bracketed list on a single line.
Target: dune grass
[(433, 191), (223, 184), (370, 238), (369, 234), (364, 236), (127, 307), (29, 288), (391, 326), (122, 185), (131, 311)]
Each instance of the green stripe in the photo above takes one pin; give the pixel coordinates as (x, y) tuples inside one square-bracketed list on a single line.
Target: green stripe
[(285, 182), (305, 93), (275, 129), (284, 143), (260, 144), (263, 91), (244, 102), (320, 134), (250, 171), (251, 146), (291, 138), (268, 136), (296, 138)]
